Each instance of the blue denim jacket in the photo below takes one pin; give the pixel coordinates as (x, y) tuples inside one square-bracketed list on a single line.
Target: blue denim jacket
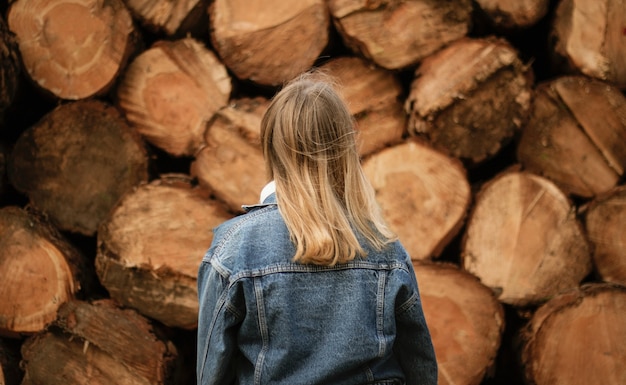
[(264, 319)]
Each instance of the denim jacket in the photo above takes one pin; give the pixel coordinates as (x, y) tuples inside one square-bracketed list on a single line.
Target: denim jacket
[(265, 319)]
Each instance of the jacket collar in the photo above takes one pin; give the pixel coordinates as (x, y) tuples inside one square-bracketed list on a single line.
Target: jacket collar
[(268, 197)]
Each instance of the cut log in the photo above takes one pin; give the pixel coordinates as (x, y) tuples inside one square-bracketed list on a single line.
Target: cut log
[(40, 271), (150, 248), (470, 98), (398, 34), (373, 97), (576, 135), (10, 67), (98, 343), (578, 338), (72, 49), (269, 41), (76, 162), (523, 240), (170, 91), (588, 38), (173, 18), (423, 193), (231, 164), (514, 15), (605, 222), (465, 320)]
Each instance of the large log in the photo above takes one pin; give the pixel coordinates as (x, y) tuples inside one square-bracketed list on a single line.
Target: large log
[(470, 98), (588, 38), (576, 135), (231, 163), (76, 162), (150, 248), (40, 271), (373, 97), (514, 15), (465, 320), (524, 241), (96, 344), (170, 91), (423, 193), (605, 222), (172, 18), (269, 41), (398, 34), (577, 338), (72, 49)]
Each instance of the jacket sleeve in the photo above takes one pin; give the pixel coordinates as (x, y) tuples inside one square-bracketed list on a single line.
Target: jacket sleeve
[(413, 347), (218, 322)]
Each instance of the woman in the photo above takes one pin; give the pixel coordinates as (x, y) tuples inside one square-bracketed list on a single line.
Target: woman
[(310, 286)]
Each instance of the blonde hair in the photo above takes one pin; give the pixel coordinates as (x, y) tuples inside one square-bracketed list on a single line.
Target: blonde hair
[(308, 140)]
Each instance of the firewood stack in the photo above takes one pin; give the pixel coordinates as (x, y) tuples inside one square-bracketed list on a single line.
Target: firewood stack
[(493, 131)]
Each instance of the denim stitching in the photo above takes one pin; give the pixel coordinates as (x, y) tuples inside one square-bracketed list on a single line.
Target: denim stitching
[(220, 303), (258, 292), (380, 309)]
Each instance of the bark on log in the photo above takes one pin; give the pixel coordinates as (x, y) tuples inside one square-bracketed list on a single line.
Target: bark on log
[(423, 193), (605, 222), (173, 18), (98, 343), (465, 320), (269, 42), (10, 67), (578, 338), (150, 248), (398, 34), (470, 98), (170, 91), (40, 271), (373, 97), (76, 162), (72, 49), (576, 135), (523, 240), (514, 15), (231, 164), (588, 38)]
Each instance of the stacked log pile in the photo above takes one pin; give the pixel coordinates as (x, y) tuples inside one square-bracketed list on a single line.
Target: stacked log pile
[(493, 131)]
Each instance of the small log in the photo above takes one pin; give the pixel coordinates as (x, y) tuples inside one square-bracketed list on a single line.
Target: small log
[(173, 18), (10, 67), (470, 98), (150, 248), (269, 42), (588, 38), (231, 164), (465, 321), (523, 240), (423, 193), (76, 162), (170, 91), (398, 34), (514, 15), (72, 49), (40, 271), (605, 222), (578, 338), (576, 135), (98, 343), (373, 97)]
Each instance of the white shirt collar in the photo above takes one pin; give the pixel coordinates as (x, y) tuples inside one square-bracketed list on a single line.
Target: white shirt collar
[(268, 190)]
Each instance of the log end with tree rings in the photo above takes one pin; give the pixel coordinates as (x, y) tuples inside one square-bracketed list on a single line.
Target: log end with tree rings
[(471, 98), (465, 321), (577, 338), (605, 223), (524, 241), (588, 38), (72, 49), (76, 162), (150, 248), (171, 91), (514, 15), (373, 97), (172, 18), (576, 135), (269, 42), (399, 34), (423, 193)]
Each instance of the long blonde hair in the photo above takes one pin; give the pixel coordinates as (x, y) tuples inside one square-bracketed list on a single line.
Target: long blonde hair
[(308, 140)]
